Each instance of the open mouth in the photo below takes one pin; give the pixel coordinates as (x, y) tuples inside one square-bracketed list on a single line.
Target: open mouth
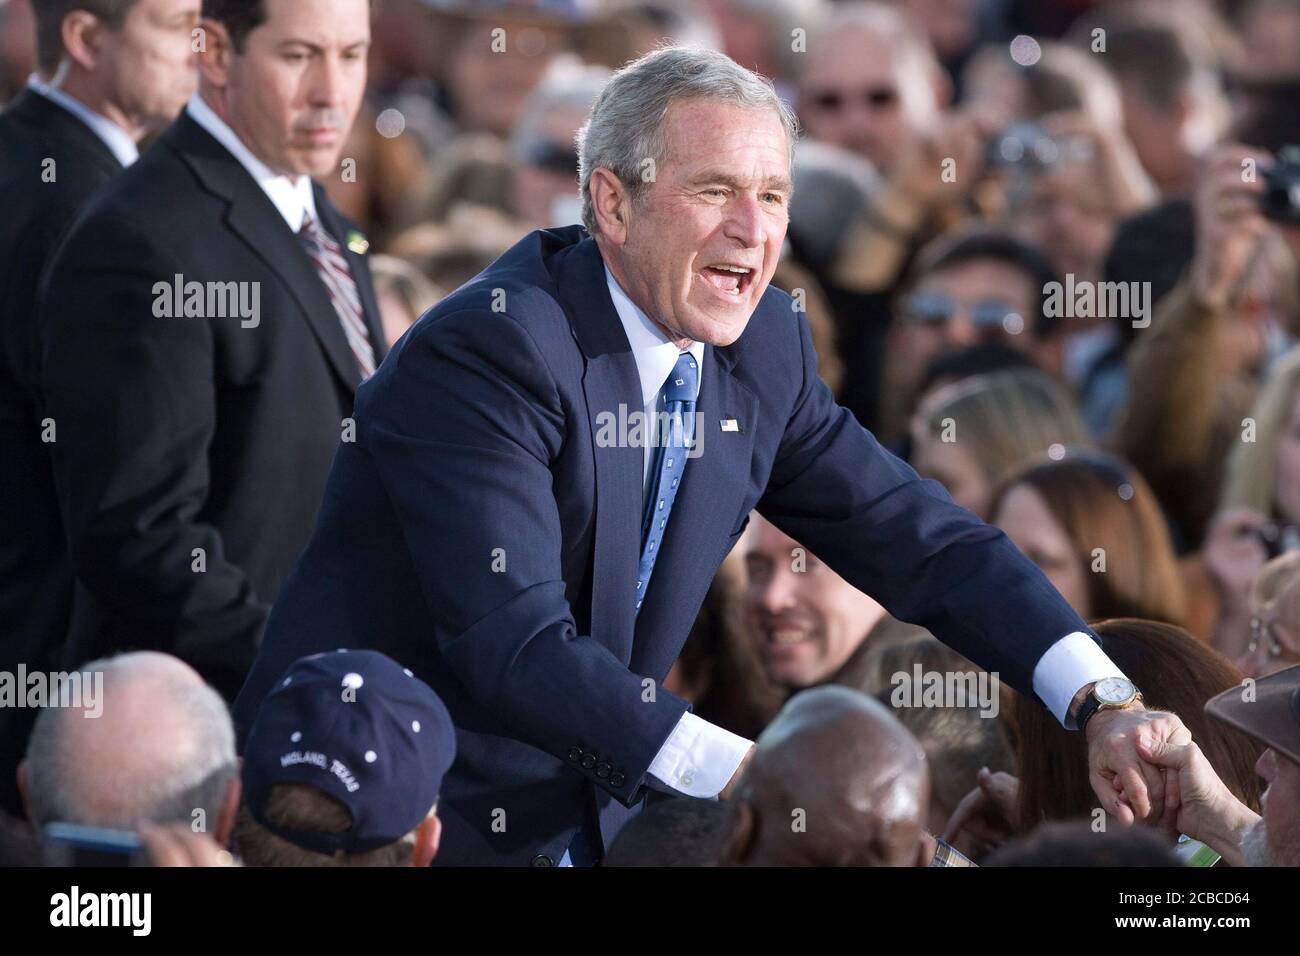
[(786, 637), (728, 278)]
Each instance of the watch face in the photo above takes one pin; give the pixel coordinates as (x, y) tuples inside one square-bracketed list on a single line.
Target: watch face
[(1114, 690)]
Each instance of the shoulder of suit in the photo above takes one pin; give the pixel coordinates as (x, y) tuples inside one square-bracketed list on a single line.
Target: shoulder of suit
[(156, 188), (497, 301), (28, 151), (777, 317)]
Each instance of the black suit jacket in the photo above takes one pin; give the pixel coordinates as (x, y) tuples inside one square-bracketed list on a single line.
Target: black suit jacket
[(50, 163), (192, 452)]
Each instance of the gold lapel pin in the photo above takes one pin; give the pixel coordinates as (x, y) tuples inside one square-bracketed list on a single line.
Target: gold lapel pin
[(358, 243)]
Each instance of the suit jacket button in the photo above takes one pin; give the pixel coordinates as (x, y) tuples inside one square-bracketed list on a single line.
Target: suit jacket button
[(616, 779), (542, 860), (575, 754), (602, 770), (588, 761)]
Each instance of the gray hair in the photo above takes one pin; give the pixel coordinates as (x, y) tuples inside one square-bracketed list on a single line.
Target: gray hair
[(626, 126), (188, 766)]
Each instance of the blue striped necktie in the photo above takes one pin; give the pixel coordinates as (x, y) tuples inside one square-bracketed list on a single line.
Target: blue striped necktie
[(672, 431)]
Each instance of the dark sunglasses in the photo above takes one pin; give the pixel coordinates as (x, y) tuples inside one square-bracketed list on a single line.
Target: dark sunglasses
[(876, 97), (936, 308)]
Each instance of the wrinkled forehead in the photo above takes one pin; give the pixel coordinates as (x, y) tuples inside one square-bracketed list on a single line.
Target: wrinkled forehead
[(699, 133)]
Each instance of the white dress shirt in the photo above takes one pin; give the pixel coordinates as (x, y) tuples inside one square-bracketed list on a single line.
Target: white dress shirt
[(699, 758), (293, 198), (655, 355), (118, 140)]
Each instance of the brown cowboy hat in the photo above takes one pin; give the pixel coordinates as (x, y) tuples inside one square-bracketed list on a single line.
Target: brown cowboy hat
[(1271, 715)]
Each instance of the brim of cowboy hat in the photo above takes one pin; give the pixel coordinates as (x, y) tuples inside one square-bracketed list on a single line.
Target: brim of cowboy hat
[(1271, 715)]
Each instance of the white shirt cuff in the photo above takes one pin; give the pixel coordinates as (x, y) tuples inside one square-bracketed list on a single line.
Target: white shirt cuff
[(699, 758), (1071, 663)]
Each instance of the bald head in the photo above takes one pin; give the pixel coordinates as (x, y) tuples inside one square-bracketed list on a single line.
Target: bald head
[(835, 780), (161, 747)]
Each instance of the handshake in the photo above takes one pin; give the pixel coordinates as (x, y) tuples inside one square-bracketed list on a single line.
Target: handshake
[(1144, 767)]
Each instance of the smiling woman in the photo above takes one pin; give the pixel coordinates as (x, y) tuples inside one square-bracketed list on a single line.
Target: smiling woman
[(1095, 528)]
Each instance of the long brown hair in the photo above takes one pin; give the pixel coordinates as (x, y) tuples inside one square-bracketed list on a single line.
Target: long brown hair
[(1103, 504), (1176, 673)]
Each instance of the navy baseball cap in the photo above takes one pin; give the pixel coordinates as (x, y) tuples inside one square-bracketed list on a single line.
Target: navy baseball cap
[(360, 727)]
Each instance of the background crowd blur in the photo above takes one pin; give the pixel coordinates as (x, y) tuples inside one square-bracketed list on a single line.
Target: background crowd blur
[(976, 180)]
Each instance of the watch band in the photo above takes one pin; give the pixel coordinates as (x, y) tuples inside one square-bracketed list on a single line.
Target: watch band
[(1087, 710)]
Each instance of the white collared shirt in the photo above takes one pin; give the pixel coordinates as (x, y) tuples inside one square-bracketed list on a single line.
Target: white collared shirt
[(699, 758), (294, 200), (655, 355), (118, 140)]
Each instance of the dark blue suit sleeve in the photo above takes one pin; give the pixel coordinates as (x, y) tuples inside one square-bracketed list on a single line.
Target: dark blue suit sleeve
[(462, 423), (903, 540)]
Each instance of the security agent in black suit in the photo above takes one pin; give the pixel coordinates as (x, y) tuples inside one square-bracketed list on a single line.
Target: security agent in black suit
[(201, 356), (111, 77)]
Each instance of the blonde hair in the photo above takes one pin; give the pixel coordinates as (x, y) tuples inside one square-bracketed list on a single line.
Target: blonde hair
[(1251, 473), (1005, 419), (1273, 580)]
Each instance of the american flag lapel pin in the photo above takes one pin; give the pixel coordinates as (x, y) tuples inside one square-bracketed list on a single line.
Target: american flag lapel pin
[(730, 425)]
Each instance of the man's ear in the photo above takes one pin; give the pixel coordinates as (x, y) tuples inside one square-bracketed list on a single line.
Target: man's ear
[(742, 834), (83, 35), (427, 837), (225, 827), (215, 52), (610, 200), (22, 792)]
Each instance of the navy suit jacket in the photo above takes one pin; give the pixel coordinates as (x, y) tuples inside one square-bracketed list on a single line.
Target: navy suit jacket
[(479, 532)]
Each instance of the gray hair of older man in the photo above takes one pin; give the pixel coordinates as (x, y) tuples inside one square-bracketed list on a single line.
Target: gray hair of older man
[(626, 125), (176, 757)]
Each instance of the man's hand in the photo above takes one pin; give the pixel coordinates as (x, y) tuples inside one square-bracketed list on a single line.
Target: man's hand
[(1197, 802), (958, 140), (730, 788), (926, 847), (1127, 786), (988, 813), (177, 845), (1229, 225), (1234, 553)]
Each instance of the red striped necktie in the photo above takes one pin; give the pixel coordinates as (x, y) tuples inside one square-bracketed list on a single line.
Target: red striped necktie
[(333, 268)]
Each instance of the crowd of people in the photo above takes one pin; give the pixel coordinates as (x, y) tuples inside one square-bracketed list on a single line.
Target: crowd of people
[(1049, 255)]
